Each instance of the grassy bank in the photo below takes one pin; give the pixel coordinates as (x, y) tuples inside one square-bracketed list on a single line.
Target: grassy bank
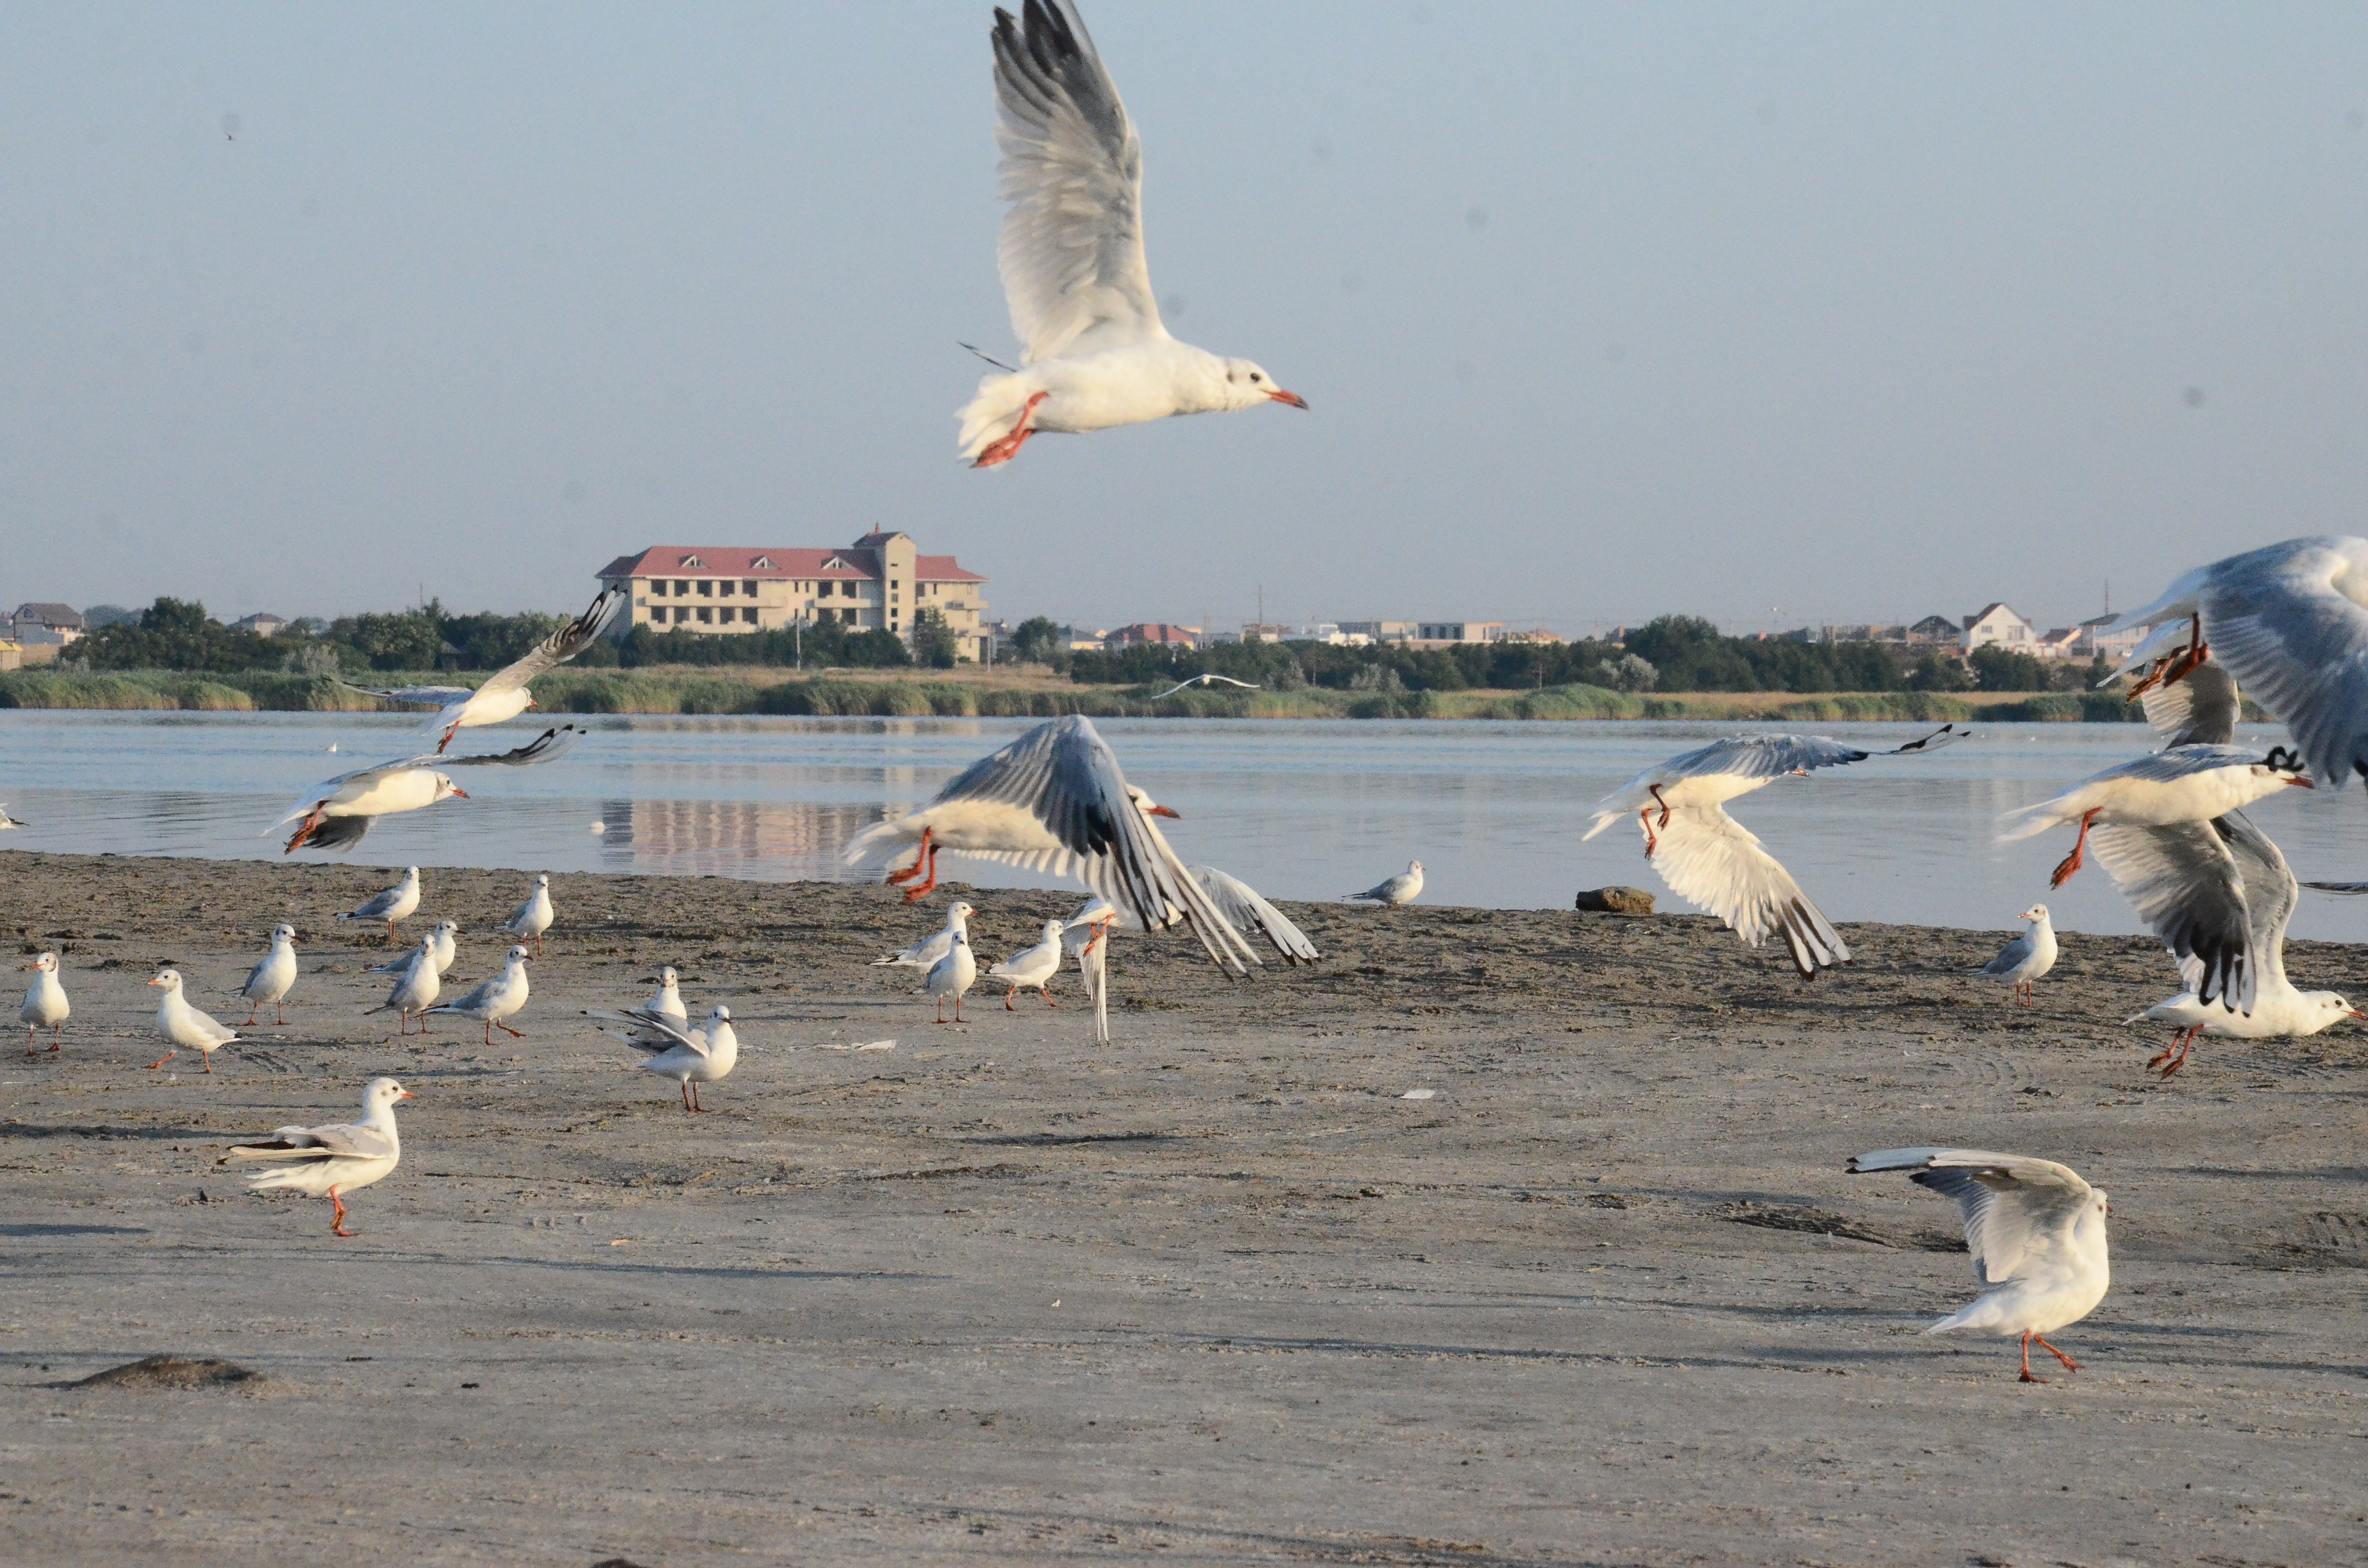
[(907, 694)]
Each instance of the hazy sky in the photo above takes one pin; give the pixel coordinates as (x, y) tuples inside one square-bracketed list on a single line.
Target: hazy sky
[(1776, 314)]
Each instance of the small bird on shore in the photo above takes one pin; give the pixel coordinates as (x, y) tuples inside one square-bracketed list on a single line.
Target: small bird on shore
[(391, 904), (416, 986), (45, 1002), (533, 918), (269, 982), (2037, 1234), (954, 974), (1032, 968), (182, 1025), (328, 1161), (1390, 893), (2028, 957), (667, 998), (505, 695), (689, 1056), (924, 953), (498, 998), (441, 948)]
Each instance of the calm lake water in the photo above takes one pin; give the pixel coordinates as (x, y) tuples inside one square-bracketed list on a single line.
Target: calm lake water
[(1301, 810)]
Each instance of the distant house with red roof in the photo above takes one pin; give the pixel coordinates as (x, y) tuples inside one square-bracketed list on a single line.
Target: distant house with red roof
[(1155, 633), (880, 581)]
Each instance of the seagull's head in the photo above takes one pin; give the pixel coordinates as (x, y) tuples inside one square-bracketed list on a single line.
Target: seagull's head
[(2331, 1008), (445, 791), (1247, 385), (383, 1093), (283, 932), (958, 911), (1150, 807), (169, 979), (47, 963), (719, 1014), (667, 975), (448, 927), (2037, 912), (542, 881), (1414, 867), (518, 955)]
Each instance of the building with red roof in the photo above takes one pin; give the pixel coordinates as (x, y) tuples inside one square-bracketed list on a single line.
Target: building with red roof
[(882, 580)]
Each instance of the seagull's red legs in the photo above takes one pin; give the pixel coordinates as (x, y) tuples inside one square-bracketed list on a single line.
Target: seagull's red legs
[(2026, 1360), (2175, 1053), (909, 872), (2073, 862), (338, 1221), (1004, 450), (929, 860)]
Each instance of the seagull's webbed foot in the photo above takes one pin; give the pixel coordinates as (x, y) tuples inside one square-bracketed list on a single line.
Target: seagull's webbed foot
[(1004, 449), (2069, 1364)]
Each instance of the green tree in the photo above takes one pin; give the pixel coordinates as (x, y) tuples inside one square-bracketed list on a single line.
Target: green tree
[(1038, 640), (933, 640)]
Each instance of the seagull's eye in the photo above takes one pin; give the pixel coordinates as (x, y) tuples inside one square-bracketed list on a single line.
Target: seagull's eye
[(1254, 375)]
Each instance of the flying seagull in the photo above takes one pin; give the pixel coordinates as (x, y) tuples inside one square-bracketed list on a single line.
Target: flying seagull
[(1209, 679), (338, 811), (505, 696)]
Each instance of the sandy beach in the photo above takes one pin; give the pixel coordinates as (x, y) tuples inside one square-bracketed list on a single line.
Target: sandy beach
[(1215, 1293)]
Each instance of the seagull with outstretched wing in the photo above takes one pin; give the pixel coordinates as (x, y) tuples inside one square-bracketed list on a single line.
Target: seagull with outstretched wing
[(1205, 680), (504, 694), (337, 811)]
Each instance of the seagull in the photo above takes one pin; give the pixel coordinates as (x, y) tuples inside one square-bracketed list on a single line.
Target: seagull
[(325, 1162), (2028, 957), (45, 1002), (1713, 863), (2190, 784), (689, 1056), (1032, 969), (532, 918), (490, 1003), (1390, 892), (924, 953), (181, 1024), (440, 951), (2037, 1234), (1094, 353), (271, 980), (1241, 905), (1210, 679), (416, 985), (7, 821), (1086, 935), (505, 696), (391, 905), (667, 998), (954, 974), (1055, 802), (338, 811)]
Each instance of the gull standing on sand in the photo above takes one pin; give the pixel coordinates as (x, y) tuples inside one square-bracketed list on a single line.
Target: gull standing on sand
[(45, 1002), (2028, 957), (691, 1057), (337, 811), (326, 1162), (505, 695), (532, 919), (924, 953), (1032, 968), (1390, 892), (391, 904), (498, 998), (1713, 861), (954, 974), (2037, 1234), (269, 982), (181, 1024), (1055, 802), (440, 949), (1093, 353), (416, 985)]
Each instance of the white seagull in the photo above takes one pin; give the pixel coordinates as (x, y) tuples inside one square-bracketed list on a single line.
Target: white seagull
[(689, 1056), (181, 1024), (2180, 784), (2037, 1234), (269, 982), (416, 986), (2028, 957), (532, 919), (504, 694), (337, 811), (45, 1002), (440, 949), (954, 974), (326, 1162), (496, 999), (1094, 352), (1713, 863), (1249, 912), (1055, 802), (1392, 891), (7, 821), (1208, 679), (390, 904), (924, 953), (1032, 968)]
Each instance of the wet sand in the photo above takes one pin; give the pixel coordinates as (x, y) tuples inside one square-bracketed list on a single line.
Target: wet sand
[(1214, 1293)]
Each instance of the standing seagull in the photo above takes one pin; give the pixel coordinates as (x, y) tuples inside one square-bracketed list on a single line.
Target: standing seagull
[(1094, 352), (391, 904), (337, 811), (1031, 968), (532, 918), (271, 980), (45, 1002), (954, 974), (505, 695), (691, 1057), (2037, 1234), (181, 1024), (2028, 957), (1055, 802), (1390, 892), (325, 1162), (441, 947), (417, 984), (498, 998), (1711, 861), (924, 953)]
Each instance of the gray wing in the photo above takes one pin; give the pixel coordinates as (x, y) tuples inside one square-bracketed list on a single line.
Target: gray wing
[(646, 1024), (1758, 756), (2199, 708), (2009, 957), (552, 742), (2186, 884), (252, 976), (1071, 252), (2270, 894), (1241, 904), (424, 696), (1715, 863), (2012, 1206), (562, 644), (377, 904), (1064, 776), (2178, 762), (2290, 622), (298, 1145)]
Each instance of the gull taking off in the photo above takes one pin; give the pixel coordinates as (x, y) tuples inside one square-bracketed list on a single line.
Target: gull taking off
[(691, 1057), (392, 904), (1249, 912), (337, 811), (2037, 1234), (1094, 353), (181, 1024), (417, 984), (2182, 784), (1713, 863), (1032, 969), (532, 919), (2028, 957), (269, 982), (498, 998), (326, 1162), (45, 1002), (1392, 891), (505, 696)]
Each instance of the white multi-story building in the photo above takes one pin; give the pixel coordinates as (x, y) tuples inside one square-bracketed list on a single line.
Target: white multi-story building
[(1996, 626), (880, 581)]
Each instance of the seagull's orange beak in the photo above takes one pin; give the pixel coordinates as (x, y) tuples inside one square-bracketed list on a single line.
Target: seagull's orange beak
[(458, 790), (158, 981), (2301, 783), (1292, 398), (1167, 811), (406, 1095)]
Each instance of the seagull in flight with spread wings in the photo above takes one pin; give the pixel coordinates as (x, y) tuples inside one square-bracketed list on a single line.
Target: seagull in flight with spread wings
[(505, 696), (338, 811), (1095, 354)]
